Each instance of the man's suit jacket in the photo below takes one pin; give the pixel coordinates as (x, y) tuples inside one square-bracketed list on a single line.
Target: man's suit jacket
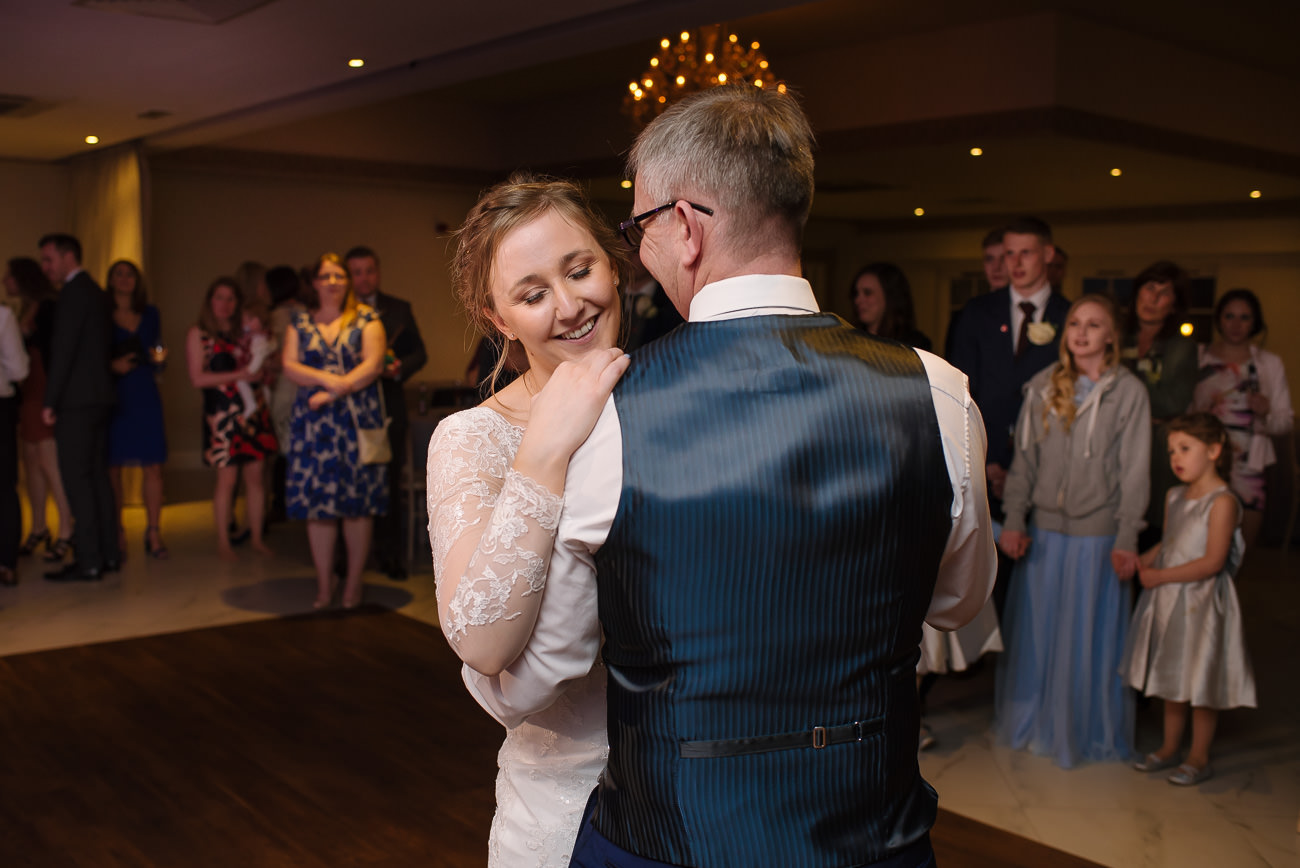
[(78, 372), (983, 347), (403, 335)]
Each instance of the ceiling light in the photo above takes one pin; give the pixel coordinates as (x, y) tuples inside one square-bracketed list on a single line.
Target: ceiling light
[(625, 184), (919, 212), (356, 63), (1186, 329), (975, 152), (1115, 173), (1255, 194), (698, 60), (92, 140)]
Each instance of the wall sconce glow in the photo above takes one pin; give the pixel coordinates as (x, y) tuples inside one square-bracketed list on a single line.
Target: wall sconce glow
[(976, 152), (356, 63), (919, 212), (1115, 173), (1255, 194), (625, 184), (1186, 329), (92, 140)]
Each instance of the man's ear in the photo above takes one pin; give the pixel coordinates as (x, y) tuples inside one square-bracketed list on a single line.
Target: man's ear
[(691, 234)]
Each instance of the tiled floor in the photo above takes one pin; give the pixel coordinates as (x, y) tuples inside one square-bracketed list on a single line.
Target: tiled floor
[(1245, 816)]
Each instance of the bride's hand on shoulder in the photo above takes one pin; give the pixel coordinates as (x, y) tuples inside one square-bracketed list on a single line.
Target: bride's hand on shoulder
[(564, 411)]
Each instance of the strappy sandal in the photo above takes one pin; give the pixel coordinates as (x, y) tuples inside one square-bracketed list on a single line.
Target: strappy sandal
[(1153, 762), (1189, 775), (58, 549), (34, 541), (159, 551)]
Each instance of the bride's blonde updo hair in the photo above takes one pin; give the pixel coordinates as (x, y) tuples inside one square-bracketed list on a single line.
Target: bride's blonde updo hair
[(1060, 397), (503, 208)]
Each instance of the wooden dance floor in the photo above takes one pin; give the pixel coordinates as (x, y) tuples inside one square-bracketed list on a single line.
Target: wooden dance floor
[(330, 740)]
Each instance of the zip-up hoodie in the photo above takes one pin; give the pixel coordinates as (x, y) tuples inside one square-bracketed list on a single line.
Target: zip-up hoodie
[(1092, 480)]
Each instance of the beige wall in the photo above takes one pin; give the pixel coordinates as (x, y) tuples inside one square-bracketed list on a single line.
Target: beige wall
[(204, 224), (33, 201)]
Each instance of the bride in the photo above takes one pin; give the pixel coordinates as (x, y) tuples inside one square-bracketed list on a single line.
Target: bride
[(537, 265)]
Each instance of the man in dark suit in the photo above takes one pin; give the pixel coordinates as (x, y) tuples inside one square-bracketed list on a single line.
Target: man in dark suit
[(406, 356), (79, 397), (1004, 338)]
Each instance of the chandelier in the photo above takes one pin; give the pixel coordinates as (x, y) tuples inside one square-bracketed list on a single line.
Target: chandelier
[(698, 60)]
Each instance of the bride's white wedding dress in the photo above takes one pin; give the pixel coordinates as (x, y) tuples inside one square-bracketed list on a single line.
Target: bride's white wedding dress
[(550, 761)]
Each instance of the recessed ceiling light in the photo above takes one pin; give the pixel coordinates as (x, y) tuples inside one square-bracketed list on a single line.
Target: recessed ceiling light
[(975, 152), (356, 63), (1115, 173), (1186, 329), (919, 212), (1255, 194), (92, 140), (626, 184)]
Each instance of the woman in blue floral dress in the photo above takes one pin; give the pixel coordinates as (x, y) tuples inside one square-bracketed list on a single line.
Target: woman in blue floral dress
[(334, 352)]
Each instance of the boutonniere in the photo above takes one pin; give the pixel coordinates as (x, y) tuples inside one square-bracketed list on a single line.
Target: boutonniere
[(1041, 333)]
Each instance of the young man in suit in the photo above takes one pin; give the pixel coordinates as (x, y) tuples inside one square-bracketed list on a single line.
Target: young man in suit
[(1004, 338), (406, 356), (79, 397)]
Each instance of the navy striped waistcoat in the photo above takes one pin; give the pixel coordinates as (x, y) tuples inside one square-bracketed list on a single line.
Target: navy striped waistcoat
[(785, 504)]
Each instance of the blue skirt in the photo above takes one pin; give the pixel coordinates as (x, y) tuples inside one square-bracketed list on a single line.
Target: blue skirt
[(1058, 690)]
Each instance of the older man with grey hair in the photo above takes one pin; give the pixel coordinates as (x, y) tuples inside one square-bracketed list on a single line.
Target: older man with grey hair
[(771, 505)]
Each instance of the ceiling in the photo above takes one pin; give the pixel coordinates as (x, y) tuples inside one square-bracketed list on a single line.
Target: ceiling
[(900, 90)]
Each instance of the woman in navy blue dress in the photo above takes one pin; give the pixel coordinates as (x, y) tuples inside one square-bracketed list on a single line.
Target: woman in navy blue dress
[(334, 352), (136, 437)]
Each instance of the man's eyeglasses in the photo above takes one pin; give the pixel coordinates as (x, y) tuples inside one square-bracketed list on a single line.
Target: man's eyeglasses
[(631, 229)]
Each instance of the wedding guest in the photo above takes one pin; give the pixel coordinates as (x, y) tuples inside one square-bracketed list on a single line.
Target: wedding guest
[(1074, 502), (79, 399), (25, 280), (13, 370), (1165, 361), (334, 352), (217, 356), (882, 300), (1245, 386), (404, 358), (136, 436), (1002, 339)]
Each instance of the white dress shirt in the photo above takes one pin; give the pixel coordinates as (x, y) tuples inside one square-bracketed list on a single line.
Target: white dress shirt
[(566, 640), (1038, 299), (13, 353)]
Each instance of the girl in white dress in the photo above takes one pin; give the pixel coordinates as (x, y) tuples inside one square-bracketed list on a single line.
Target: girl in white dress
[(1185, 639), (534, 265)]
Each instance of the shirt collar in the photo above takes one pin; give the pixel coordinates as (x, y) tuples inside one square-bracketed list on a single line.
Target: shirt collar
[(753, 295), (1038, 299)]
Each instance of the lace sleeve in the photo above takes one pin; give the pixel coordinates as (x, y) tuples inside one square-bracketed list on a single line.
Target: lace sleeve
[(491, 530)]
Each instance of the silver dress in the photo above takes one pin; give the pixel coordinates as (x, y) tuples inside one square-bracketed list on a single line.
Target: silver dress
[(1185, 639)]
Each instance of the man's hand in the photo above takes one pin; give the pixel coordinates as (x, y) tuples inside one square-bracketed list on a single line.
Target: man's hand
[(393, 370)]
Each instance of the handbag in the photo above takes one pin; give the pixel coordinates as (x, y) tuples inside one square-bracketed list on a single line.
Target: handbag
[(372, 443)]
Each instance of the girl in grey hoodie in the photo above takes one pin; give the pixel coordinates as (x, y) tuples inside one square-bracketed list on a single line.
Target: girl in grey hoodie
[(1075, 498)]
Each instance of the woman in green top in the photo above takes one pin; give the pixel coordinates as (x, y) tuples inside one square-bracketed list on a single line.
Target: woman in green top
[(1165, 361)]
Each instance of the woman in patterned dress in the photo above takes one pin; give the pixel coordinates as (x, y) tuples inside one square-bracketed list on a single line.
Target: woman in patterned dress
[(217, 356), (334, 352), (1245, 386)]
